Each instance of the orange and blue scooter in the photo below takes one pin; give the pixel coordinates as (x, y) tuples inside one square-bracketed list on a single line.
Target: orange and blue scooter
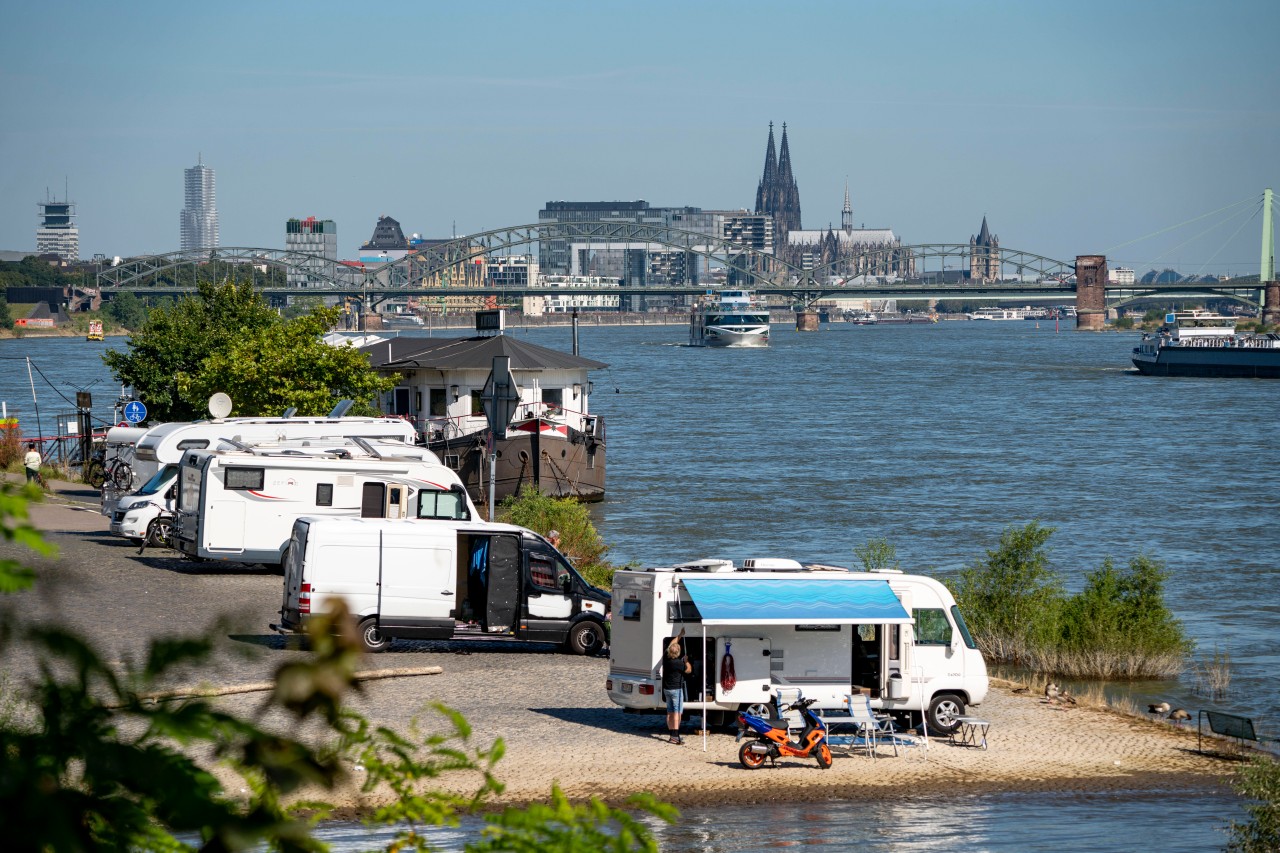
[(773, 742)]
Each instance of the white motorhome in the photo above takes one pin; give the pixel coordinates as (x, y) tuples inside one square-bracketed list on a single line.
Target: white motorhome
[(898, 638), (159, 450), (438, 579), (240, 505)]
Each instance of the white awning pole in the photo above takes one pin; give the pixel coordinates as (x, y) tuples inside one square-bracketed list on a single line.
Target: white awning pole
[(924, 712), (704, 687)]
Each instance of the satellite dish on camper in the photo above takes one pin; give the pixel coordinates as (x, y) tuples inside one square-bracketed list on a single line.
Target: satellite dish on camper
[(219, 406)]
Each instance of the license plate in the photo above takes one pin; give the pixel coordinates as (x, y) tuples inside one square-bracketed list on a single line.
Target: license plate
[(628, 687)]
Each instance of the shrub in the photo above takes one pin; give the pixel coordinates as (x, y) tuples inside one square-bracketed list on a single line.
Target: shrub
[(1259, 780), (1124, 323), (1013, 597), (878, 553), (10, 443), (579, 540)]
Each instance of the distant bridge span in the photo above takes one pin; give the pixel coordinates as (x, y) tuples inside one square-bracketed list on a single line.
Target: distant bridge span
[(422, 271)]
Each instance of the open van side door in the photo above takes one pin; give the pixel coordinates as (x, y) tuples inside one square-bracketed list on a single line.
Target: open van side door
[(502, 602)]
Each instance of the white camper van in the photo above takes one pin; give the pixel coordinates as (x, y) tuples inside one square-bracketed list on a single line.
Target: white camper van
[(160, 449), (240, 505), (438, 579), (829, 631)]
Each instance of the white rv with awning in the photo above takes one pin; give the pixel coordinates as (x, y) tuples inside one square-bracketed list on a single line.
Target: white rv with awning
[(825, 630)]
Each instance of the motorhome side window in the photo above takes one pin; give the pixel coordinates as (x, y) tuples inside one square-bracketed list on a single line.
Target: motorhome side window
[(631, 610), (434, 504), (932, 627), (245, 478), (683, 611), (193, 444), (324, 494)]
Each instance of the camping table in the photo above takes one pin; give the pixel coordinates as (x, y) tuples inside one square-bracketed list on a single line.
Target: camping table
[(972, 731)]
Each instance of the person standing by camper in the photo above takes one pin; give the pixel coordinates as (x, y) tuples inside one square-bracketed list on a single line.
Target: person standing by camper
[(31, 461), (675, 666)]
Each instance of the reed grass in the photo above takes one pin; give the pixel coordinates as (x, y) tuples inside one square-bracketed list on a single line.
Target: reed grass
[(1212, 674)]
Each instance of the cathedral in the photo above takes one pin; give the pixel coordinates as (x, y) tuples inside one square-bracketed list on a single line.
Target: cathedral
[(845, 252)]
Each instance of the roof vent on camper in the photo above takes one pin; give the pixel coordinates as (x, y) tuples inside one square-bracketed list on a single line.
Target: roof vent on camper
[(709, 565), (771, 564), (342, 408)]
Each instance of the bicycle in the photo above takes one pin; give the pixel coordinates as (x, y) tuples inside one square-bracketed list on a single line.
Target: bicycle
[(159, 531), (115, 472)]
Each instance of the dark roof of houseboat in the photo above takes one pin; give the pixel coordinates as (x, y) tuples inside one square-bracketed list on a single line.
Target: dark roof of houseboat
[(478, 352)]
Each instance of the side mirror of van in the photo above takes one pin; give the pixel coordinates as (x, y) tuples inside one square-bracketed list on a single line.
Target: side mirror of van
[(566, 583)]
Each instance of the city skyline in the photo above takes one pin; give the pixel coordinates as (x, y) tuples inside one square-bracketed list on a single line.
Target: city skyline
[(1078, 128)]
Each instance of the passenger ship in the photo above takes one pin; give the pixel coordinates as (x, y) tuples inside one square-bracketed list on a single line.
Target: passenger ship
[(1200, 343), (730, 318)]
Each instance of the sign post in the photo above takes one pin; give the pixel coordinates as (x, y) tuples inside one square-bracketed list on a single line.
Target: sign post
[(135, 411), (501, 398)]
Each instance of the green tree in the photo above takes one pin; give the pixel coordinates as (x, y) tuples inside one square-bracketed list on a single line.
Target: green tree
[(1013, 598), (283, 365), (6, 316), (226, 338), (127, 310), (877, 553)]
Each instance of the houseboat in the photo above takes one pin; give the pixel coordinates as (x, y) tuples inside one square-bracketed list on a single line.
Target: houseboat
[(553, 442)]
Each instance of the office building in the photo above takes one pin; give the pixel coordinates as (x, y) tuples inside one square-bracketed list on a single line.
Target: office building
[(57, 233), (199, 219), (311, 236)]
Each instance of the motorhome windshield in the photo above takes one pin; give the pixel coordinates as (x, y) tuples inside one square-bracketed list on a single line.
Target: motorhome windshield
[(964, 629), (160, 480), (440, 504)]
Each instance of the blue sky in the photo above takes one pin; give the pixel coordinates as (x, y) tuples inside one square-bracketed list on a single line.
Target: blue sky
[(1075, 127)]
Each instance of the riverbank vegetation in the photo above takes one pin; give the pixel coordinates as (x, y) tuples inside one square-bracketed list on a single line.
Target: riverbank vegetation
[(90, 760), (1117, 627), (579, 540), (227, 338)]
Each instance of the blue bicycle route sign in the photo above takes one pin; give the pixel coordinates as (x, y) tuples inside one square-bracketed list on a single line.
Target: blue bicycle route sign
[(135, 412)]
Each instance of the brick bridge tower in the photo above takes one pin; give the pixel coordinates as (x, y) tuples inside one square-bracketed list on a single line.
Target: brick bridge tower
[(1091, 295)]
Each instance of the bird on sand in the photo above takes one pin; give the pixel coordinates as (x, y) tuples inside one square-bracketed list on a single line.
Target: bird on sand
[(1158, 708), (1179, 715), (1051, 691), (1021, 690), (1066, 698)]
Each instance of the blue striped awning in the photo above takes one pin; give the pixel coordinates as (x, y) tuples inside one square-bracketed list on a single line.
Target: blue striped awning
[(786, 601)]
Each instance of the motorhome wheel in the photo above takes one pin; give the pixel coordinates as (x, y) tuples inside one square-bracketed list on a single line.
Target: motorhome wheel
[(585, 638), (370, 637), (943, 711), (763, 710)]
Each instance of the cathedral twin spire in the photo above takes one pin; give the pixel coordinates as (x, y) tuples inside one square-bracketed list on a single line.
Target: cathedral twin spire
[(777, 193)]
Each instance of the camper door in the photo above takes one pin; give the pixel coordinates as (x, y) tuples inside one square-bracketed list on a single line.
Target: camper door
[(751, 668)]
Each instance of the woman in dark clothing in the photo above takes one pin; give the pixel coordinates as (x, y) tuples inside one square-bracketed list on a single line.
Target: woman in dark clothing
[(675, 666)]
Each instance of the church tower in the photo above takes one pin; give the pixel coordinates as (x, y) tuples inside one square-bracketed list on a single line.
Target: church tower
[(984, 255), (846, 212), (777, 194)]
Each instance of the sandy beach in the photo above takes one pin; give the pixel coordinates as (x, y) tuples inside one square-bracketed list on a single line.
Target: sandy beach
[(553, 714)]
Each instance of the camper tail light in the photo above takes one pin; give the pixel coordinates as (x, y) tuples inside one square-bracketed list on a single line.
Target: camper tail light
[(304, 598), (646, 689), (608, 684)]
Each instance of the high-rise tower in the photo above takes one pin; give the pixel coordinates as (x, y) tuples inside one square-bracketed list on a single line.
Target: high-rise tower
[(57, 234), (777, 194), (199, 221)]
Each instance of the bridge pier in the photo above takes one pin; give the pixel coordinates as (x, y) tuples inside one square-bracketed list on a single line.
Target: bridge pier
[(1091, 296), (1271, 303), (807, 321)]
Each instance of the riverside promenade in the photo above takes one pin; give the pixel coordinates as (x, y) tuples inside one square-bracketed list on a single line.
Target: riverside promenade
[(551, 708)]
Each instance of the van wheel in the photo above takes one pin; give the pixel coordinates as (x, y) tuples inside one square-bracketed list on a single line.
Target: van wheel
[(370, 637), (585, 638), (943, 711)]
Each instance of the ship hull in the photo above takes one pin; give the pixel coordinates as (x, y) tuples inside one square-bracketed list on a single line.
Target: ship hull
[(1202, 361), (569, 463)]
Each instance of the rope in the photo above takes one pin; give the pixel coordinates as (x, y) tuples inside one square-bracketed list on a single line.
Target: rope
[(1201, 234)]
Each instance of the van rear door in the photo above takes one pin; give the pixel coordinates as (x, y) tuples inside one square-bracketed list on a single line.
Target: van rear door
[(290, 611)]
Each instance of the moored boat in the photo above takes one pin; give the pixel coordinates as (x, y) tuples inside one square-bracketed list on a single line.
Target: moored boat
[(1200, 343), (730, 318)]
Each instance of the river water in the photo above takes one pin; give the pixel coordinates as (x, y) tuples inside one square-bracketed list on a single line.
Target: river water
[(936, 438)]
